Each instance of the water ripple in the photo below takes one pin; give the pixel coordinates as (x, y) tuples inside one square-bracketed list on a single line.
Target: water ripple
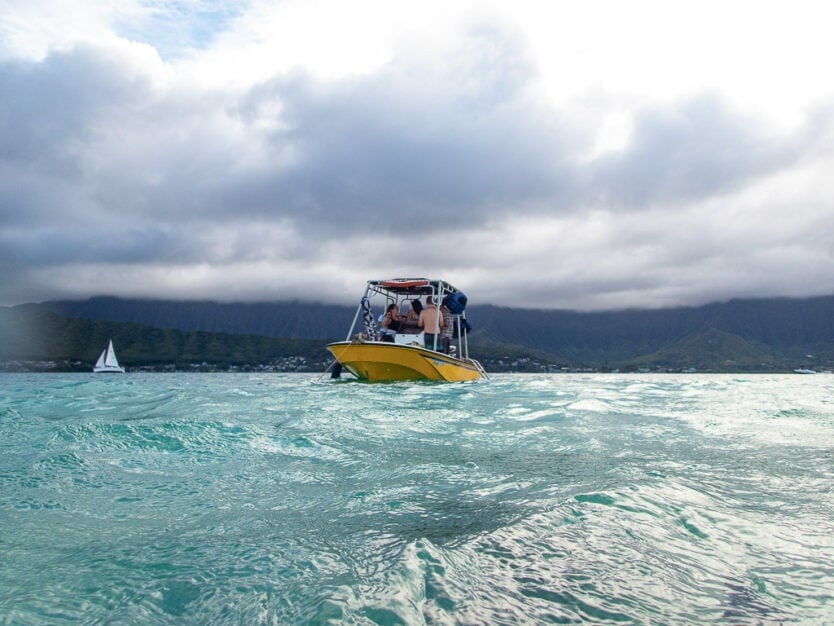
[(524, 499)]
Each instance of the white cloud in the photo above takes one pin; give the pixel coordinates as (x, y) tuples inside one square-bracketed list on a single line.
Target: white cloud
[(595, 155), (31, 30)]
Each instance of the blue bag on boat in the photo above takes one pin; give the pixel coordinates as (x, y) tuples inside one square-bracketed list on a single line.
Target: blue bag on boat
[(455, 302), (465, 328)]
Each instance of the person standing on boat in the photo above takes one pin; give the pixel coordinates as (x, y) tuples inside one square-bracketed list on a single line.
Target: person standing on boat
[(446, 328), (391, 322), (430, 321)]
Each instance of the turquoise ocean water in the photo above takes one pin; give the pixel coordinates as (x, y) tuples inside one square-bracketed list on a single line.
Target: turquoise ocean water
[(277, 499)]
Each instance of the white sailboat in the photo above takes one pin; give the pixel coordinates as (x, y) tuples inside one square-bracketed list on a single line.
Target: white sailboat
[(107, 362)]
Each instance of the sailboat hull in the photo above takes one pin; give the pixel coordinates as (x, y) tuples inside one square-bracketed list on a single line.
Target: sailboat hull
[(382, 361)]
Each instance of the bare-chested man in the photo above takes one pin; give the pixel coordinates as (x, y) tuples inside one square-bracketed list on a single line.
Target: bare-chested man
[(430, 321)]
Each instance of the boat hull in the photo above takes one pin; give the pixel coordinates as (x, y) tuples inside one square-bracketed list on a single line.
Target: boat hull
[(377, 361)]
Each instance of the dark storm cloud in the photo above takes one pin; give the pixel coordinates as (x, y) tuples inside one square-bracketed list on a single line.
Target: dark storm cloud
[(50, 109), (95, 167), (411, 147), (99, 166), (52, 115), (56, 246), (407, 147), (694, 150)]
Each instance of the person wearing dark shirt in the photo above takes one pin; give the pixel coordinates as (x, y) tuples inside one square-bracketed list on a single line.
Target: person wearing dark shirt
[(391, 322)]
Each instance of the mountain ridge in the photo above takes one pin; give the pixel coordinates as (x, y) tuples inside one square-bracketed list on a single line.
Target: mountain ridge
[(768, 334)]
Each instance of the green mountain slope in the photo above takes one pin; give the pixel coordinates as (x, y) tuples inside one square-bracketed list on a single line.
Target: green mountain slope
[(776, 334), (74, 344), (713, 349)]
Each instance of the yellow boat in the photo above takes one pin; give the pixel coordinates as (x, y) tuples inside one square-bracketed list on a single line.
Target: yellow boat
[(376, 353)]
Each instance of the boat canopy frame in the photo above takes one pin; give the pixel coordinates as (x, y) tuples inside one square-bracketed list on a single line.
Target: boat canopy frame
[(398, 290)]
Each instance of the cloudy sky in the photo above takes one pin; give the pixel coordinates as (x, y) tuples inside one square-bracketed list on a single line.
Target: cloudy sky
[(581, 155)]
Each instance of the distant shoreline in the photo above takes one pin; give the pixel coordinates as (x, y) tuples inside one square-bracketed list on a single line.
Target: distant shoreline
[(41, 368)]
